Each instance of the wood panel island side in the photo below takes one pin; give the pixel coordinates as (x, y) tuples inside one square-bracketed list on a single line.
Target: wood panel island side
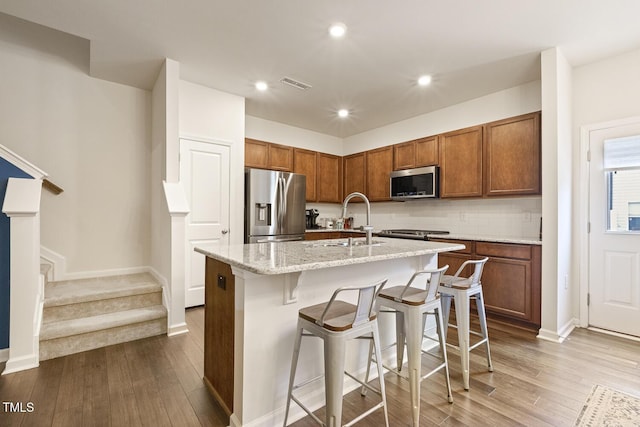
[(252, 297)]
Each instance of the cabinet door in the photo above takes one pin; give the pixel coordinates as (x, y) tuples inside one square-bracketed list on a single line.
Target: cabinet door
[(256, 154), (404, 155), (304, 162), (506, 285), (354, 174), (461, 163), (329, 178), (512, 156), (379, 166), (280, 158), (427, 151)]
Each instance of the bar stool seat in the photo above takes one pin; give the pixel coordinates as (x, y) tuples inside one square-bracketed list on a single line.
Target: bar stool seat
[(336, 322), (462, 290), (411, 305)]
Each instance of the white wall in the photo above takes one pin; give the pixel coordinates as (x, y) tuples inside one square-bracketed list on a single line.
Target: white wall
[(557, 315), (212, 115), (602, 91), (266, 130), (507, 103), (91, 136)]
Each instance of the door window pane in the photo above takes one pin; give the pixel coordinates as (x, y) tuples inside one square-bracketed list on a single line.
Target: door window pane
[(624, 200), (622, 169)]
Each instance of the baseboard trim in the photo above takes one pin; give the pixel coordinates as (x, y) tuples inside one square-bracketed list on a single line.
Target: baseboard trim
[(560, 335), (174, 330), (20, 364), (4, 354)]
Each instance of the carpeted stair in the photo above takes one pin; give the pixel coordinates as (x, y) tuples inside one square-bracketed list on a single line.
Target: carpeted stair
[(85, 314)]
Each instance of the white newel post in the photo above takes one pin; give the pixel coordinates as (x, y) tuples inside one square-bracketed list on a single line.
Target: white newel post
[(178, 209), (22, 206)]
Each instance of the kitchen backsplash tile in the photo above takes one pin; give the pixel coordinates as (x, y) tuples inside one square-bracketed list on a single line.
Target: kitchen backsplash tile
[(503, 217)]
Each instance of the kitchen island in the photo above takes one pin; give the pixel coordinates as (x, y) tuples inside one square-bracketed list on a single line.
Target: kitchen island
[(253, 294)]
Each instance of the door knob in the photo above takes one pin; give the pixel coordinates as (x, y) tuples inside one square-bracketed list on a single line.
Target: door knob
[(225, 231)]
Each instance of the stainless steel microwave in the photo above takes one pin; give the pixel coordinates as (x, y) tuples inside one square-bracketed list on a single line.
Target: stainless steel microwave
[(416, 183)]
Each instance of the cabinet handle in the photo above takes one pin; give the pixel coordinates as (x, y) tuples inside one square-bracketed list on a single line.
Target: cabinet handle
[(225, 231)]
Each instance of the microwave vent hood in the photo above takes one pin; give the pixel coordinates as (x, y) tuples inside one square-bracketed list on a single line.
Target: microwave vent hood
[(412, 184)]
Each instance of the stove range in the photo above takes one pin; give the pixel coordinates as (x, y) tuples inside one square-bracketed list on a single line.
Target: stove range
[(410, 234)]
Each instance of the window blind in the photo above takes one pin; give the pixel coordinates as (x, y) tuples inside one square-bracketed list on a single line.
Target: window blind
[(622, 153)]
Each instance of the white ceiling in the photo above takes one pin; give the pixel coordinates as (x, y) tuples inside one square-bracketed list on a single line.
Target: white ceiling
[(471, 47)]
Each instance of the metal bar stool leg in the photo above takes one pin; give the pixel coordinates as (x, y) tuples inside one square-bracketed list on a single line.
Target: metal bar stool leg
[(376, 344), (334, 352), (483, 327), (414, 327), (462, 321), (443, 346), (294, 365), (400, 339)]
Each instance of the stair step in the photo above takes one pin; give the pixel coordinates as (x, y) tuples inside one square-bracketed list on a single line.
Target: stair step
[(99, 288), (77, 335), (81, 315), (84, 325)]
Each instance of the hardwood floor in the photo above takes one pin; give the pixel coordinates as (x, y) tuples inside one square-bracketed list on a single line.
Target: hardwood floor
[(158, 382)]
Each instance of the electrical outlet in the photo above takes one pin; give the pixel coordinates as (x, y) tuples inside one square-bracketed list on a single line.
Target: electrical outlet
[(566, 282), (527, 217), (463, 217)]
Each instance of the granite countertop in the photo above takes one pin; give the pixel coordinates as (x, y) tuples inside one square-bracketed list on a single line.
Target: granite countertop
[(494, 239), (455, 236), (289, 257)]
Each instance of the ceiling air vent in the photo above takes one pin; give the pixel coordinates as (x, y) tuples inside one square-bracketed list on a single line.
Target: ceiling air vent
[(291, 82)]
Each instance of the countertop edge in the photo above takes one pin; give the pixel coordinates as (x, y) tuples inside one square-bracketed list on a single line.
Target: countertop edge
[(326, 264)]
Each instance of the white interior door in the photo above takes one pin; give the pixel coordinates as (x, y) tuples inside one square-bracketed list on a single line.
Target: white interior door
[(614, 239), (204, 173)]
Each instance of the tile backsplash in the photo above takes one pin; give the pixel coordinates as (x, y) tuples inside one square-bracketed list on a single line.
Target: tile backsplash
[(499, 217)]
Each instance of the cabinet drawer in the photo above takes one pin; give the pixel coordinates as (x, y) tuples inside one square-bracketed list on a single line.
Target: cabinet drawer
[(503, 250), (468, 245)]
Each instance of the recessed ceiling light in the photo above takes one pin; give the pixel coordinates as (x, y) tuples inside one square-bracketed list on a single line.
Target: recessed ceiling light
[(343, 113), (337, 30), (262, 86), (424, 80)]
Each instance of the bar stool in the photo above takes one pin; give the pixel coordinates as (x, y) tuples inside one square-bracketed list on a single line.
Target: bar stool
[(411, 305), (336, 322), (462, 290)]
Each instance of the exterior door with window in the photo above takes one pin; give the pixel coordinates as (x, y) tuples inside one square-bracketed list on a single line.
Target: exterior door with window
[(614, 238), (204, 174)]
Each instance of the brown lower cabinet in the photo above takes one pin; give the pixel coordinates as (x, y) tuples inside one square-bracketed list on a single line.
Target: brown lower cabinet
[(510, 280), (219, 301), (321, 235)]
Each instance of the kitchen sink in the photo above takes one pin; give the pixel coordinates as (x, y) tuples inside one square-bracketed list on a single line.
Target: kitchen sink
[(345, 244)]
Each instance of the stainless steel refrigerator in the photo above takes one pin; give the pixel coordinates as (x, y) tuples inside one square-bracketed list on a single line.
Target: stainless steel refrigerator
[(274, 206)]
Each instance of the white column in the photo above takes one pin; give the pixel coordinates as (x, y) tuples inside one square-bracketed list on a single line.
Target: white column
[(178, 209), (22, 206)]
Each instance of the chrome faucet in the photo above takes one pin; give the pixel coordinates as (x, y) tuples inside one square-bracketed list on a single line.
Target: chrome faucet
[(367, 228)]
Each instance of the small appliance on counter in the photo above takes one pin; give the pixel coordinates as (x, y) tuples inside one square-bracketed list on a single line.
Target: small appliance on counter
[(312, 215)]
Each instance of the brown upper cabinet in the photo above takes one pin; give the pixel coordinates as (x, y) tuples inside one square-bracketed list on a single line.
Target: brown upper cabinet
[(500, 158), (512, 156), (280, 157), (355, 174), (265, 155), (256, 154), (329, 178), (379, 166), (305, 162), (461, 163), (416, 153)]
